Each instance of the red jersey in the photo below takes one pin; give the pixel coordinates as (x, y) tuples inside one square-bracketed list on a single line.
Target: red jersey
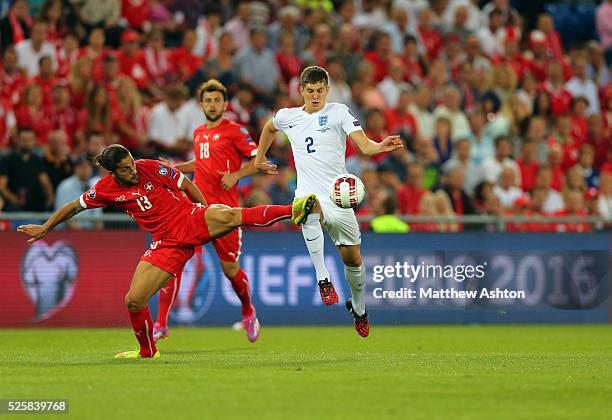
[(220, 149), (156, 203)]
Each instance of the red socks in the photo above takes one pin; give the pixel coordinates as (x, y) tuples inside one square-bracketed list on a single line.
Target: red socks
[(240, 283), (167, 296), (262, 216), (142, 323)]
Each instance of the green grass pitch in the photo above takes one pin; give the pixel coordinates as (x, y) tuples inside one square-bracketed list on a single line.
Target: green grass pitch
[(485, 372)]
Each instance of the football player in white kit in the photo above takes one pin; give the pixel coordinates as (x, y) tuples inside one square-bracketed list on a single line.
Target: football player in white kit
[(317, 132)]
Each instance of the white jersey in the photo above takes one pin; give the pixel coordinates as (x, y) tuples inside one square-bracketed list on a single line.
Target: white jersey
[(318, 141)]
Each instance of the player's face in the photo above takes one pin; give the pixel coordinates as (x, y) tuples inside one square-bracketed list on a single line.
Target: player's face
[(213, 105), (314, 95), (126, 172)]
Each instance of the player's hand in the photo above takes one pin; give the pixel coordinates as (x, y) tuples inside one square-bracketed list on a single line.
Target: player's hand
[(391, 143), (228, 180), (34, 231), (267, 168)]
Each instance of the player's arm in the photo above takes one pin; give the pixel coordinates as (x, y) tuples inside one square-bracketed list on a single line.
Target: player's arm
[(192, 191), (229, 179), (185, 167), (265, 141), (67, 211), (370, 147)]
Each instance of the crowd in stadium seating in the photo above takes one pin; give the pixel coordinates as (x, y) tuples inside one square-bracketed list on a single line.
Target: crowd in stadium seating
[(498, 117)]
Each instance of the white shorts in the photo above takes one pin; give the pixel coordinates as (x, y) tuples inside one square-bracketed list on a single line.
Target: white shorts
[(341, 224)]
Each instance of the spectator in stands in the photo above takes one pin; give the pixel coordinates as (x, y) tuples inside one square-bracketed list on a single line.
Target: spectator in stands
[(393, 84), (256, 66), (597, 69), (7, 124), (604, 28), (67, 54), (599, 138), (528, 164), (451, 109), (492, 36), (157, 60), (442, 139), (553, 40), (16, 25), (560, 97), (385, 220), (24, 184), (410, 194), (491, 167), (31, 113), (30, 51), (97, 115), (46, 79), (289, 23), (604, 202), (238, 25), (129, 124), (575, 180), (81, 81), (506, 189), (555, 161), (165, 132), (222, 65), (73, 187), (319, 48), (581, 85), (552, 200), (95, 50), (574, 206), (346, 50), (184, 62), (461, 159), (586, 158), (61, 114), (131, 60), (421, 111), (339, 91), (103, 14), (481, 144), (289, 63), (12, 81), (462, 204), (398, 119), (56, 159), (536, 132)]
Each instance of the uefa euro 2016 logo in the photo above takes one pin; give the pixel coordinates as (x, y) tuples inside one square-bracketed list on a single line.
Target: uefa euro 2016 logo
[(47, 275), (197, 289)]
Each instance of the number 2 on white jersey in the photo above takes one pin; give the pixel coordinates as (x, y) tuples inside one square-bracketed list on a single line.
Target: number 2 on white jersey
[(309, 145), (204, 150), (144, 203)]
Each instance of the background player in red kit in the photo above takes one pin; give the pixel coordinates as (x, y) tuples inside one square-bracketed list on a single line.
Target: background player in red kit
[(151, 193), (219, 147)]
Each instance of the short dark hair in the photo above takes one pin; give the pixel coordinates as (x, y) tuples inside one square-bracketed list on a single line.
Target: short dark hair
[(25, 129), (212, 85), (501, 138), (314, 74), (111, 156)]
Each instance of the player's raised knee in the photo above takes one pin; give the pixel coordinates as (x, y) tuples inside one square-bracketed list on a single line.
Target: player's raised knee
[(133, 303)]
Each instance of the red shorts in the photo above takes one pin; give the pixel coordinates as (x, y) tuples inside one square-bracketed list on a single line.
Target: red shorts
[(171, 254), (228, 247)]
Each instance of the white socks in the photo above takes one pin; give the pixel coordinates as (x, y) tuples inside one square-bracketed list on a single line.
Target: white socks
[(315, 242), (355, 276)]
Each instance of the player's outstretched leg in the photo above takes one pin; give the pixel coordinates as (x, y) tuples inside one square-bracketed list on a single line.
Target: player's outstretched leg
[(315, 242), (354, 272), (222, 219), (167, 296), (147, 280), (240, 283)]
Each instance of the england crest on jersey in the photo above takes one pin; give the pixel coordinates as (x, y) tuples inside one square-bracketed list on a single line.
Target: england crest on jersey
[(322, 120)]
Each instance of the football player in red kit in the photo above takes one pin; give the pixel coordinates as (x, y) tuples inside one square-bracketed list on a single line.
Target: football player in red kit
[(220, 145), (151, 192)]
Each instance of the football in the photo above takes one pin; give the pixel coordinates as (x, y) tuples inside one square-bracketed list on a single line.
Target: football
[(346, 191)]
